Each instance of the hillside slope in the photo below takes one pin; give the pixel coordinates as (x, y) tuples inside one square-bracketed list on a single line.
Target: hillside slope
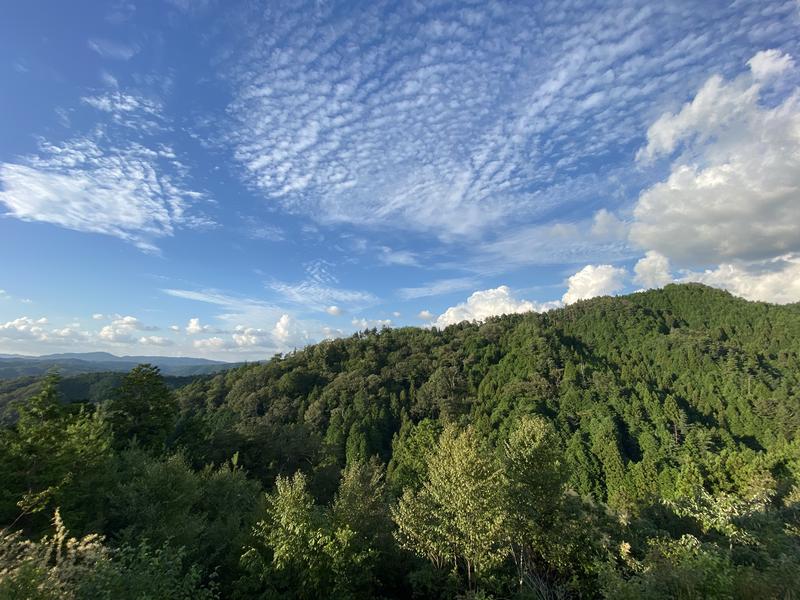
[(638, 387), (643, 446)]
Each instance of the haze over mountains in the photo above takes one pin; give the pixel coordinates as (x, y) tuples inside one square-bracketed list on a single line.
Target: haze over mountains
[(73, 363)]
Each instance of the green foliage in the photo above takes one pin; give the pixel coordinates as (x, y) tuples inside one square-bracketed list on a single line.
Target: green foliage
[(143, 409), (411, 448), (163, 500), (52, 457), (300, 552), (59, 567), (456, 518), (639, 446)]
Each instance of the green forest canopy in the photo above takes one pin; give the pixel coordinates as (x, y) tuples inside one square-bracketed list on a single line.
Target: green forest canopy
[(638, 446)]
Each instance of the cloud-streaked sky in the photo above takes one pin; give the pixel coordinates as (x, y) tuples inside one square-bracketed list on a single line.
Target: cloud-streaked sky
[(233, 179)]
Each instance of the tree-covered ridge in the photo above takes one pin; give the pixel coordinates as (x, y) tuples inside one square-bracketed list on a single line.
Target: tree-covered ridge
[(639, 446)]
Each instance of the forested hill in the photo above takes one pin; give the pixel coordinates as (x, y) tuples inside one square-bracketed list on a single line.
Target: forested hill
[(643, 446), (637, 388)]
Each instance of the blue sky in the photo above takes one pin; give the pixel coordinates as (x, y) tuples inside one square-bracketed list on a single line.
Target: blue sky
[(233, 179)]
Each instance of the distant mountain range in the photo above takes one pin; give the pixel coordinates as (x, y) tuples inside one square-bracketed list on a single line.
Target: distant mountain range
[(73, 363)]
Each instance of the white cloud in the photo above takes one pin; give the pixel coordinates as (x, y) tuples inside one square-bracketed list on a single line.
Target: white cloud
[(404, 258), (236, 310), (213, 343), (734, 193), (652, 271), (91, 184), (4, 295), (362, 324), (769, 63), (437, 288), (334, 310), (250, 337), (98, 316), (425, 315), (487, 303), (137, 112), (555, 243), (120, 102), (607, 226), (122, 328), (24, 328), (261, 231), (155, 340), (108, 79), (777, 280), (455, 120), (318, 296), (194, 326), (288, 332), (113, 50), (594, 280)]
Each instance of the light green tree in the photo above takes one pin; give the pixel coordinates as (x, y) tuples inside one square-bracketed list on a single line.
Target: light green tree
[(297, 552), (534, 479), (457, 517)]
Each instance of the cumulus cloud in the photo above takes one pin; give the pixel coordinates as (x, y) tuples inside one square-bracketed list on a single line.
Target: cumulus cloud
[(769, 63), (334, 310), (250, 336), (122, 328), (425, 315), (487, 303), (212, 343), (27, 335), (652, 271), (285, 330), (24, 328), (194, 327), (594, 280), (733, 194), (777, 280)]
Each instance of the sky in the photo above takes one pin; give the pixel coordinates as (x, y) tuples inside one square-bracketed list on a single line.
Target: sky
[(234, 179)]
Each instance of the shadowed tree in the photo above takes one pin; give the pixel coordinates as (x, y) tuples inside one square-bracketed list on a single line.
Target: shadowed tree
[(143, 409)]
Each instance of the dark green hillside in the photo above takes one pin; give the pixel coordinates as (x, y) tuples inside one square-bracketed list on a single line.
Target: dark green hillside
[(90, 388), (630, 447), (642, 382)]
